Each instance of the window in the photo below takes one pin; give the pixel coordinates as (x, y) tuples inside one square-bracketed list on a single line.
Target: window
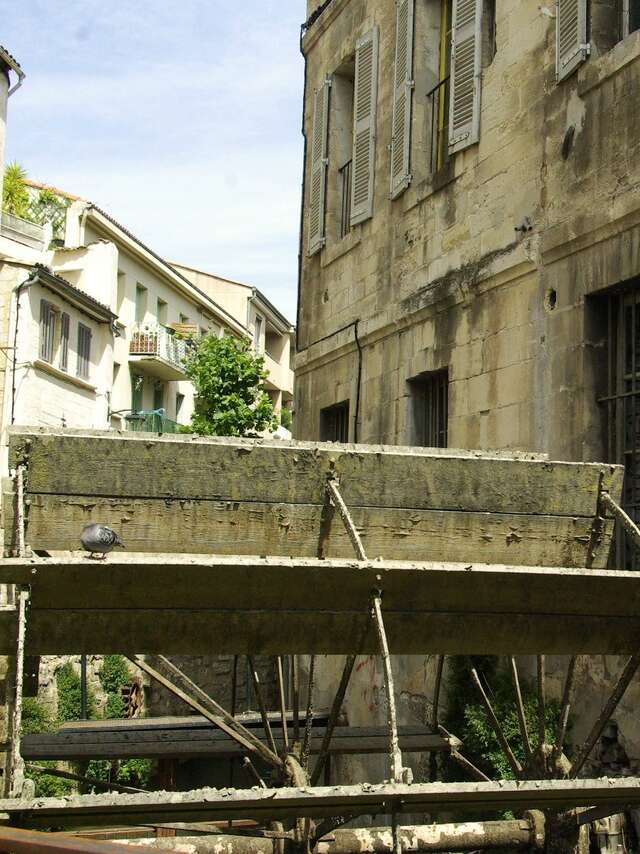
[(429, 409), (341, 146), (257, 334), (141, 303), (621, 405), (161, 311), (184, 318), (137, 392), (179, 405), (631, 17), (64, 341), (47, 330), (334, 423), (120, 291), (84, 351), (344, 176), (158, 396)]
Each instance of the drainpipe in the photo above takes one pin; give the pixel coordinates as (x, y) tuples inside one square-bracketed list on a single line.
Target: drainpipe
[(15, 296), (303, 188)]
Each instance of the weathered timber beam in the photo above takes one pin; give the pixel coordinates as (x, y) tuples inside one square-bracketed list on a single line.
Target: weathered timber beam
[(263, 805), (103, 742), (101, 463), (469, 836), (32, 842)]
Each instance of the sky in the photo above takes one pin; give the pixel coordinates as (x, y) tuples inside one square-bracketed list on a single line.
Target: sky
[(181, 120)]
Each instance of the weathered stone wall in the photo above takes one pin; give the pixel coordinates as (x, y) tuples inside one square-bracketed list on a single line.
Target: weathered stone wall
[(441, 278)]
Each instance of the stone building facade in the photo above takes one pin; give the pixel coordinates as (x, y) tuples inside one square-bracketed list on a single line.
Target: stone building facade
[(470, 250)]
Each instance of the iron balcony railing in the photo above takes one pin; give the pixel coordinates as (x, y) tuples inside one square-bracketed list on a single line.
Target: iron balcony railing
[(153, 339), (345, 199), (438, 99), (151, 421)]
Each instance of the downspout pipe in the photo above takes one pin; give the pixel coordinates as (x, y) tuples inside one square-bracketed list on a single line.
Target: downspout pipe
[(30, 280), (303, 30)]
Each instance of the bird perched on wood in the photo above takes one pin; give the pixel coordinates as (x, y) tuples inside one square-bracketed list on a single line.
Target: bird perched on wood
[(99, 539)]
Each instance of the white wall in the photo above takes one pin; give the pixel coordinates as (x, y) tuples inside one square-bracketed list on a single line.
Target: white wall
[(46, 395), (4, 89)]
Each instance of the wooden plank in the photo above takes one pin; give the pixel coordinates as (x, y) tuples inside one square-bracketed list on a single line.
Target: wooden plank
[(205, 805), (132, 604), (254, 528), (106, 742), (132, 466), (279, 585)]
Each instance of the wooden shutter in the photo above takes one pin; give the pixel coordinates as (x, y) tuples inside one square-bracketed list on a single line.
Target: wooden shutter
[(319, 162), (466, 72), (364, 127), (571, 36), (403, 86)]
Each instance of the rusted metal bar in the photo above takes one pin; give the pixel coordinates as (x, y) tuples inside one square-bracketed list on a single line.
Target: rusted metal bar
[(567, 696), (35, 842), (435, 714), (283, 703), (616, 695), (522, 718), (20, 512), (89, 781), (395, 756), (335, 496), (497, 728), (542, 701), (262, 706), (625, 520), (206, 706), (333, 718), (308, 724)]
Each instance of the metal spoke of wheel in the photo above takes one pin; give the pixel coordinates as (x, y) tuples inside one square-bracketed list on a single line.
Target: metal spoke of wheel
[(542, 701), (435, 714), (469, 767), (182, 687), (522, 718), (295, 698), (612, 703), (333, 717), (395, 756), (565, 709), (308, 723), (266, 723), (283, 703), (495, 723), (335, 496), (250, 768)]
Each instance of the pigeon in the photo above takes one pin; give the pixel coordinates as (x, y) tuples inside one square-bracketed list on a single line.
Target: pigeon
[(99, 539)]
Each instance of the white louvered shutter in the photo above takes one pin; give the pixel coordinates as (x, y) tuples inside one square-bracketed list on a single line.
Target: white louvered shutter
[(319, 162), (466, 74), (571, 36), (403, 86), (364, 127)]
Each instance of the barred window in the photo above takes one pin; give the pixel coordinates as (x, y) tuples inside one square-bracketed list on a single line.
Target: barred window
[(84, 351), (47, 330), (334, 423), (429, 415), (64, 342)]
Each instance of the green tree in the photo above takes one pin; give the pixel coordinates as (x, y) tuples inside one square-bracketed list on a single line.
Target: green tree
[(15, 196), (230, 393)]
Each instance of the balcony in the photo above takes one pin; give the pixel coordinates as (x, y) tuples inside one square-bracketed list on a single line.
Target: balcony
[(158, 352), (23, 231), (152, 421), (280, 376)]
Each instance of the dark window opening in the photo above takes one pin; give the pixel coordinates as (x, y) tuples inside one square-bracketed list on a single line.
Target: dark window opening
[(429, 409), (622, 408), (634, 16), (345, 199), (439, 97), (334, 423), (64, 341)]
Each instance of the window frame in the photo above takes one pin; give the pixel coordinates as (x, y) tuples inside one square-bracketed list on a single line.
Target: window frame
[(65, 334), (48, 325), (334, 423), (83, 359)]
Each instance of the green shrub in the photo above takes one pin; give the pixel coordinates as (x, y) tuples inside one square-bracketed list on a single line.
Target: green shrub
[(69, 695), (286, 418)]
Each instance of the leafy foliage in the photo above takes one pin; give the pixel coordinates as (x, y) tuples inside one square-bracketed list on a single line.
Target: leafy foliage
[(15, 196), (48, 206), (69, 695), (230, 394), (37, 718), (467, 718)]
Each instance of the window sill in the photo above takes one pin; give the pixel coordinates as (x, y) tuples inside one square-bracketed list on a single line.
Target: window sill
[(595, 72), (45, 367), (337, 250), (417, 193)]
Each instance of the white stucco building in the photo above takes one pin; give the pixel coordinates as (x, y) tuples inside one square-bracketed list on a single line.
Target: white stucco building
[(271, 333)]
